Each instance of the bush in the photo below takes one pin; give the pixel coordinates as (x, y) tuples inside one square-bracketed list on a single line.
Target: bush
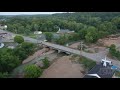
[(46, 63), (48, 36), (28, 47), (32, 71), (114, 52), (18, 39)]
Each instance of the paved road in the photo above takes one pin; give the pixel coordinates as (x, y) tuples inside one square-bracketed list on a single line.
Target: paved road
[(25, 38), (96, 57)]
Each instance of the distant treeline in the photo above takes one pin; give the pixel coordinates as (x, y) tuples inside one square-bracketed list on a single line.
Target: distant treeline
[(100, 23)]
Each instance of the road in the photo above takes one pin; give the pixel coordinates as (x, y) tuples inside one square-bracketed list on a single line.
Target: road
[(96, 56), (25, 38)]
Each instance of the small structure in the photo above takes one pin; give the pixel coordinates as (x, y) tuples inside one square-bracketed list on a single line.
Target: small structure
[(38, 32), (2, 35), (3, 26), (63, 31)]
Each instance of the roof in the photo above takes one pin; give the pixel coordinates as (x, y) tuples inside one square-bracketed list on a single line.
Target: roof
[(103, 72), (37, 32), (64, 31)]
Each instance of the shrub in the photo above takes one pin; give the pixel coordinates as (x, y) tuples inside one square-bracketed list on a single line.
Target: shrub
[(46, 63), (32, 71), (18, 39)]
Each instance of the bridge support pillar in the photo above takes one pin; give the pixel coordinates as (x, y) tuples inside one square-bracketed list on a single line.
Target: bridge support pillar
[(68, 53), (59, 51)]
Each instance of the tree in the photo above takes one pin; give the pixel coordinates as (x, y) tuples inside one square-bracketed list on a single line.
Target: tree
[(46, 62), (48, 36), (8, 61), (18, 39), (20, 53), (63, 39), (21, 29), (28, 47), (27, 30), (112, 50), (92, 34), (32, 71), (82, 33), (102, 34), (3, 75), (36, 27)]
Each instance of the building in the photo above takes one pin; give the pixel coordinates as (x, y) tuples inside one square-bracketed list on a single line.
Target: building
[(101, 71), (37, 32), (64, 31), (3, 26)]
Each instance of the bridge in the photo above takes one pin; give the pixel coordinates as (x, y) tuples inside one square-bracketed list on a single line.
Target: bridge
[(68, 50), (60, 48), (93, 56)]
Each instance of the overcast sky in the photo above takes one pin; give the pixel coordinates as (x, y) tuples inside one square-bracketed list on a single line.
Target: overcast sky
[(18, 13)]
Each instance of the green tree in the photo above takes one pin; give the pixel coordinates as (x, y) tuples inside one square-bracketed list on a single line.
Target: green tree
[(48, 36), (82, 33), (27, 30), (8, 61), (18, 39), (112, 50), (62, 40), (3, 75), (28, 47), (32, 71), (20, 53), (21, 29), (92, 34), (36, 27)]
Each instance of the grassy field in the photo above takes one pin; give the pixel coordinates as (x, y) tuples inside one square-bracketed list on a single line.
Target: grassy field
[(88, 64)]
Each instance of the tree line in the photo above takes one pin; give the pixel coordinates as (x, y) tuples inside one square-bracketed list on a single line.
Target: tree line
[(89, 25)]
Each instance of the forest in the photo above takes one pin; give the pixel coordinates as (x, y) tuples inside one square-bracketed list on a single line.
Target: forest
[(90, 26)]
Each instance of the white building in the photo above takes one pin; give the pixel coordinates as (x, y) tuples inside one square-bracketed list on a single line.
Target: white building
[(37, 32)]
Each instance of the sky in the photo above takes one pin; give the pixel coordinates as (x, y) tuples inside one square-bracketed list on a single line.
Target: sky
[(29, 13)]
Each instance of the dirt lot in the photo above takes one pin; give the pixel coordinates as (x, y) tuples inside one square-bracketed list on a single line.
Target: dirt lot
[(108, 41), (63, 68), (93, 48), (75, 45), (36, 54)]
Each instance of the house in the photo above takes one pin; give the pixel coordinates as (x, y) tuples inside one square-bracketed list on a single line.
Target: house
[(37, 32), (102, 70), (3, 26), (99, 71), (64, 31)]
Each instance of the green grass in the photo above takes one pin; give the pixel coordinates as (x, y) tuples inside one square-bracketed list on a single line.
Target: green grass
[(32, 35), (88, 64), (117, 73)]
